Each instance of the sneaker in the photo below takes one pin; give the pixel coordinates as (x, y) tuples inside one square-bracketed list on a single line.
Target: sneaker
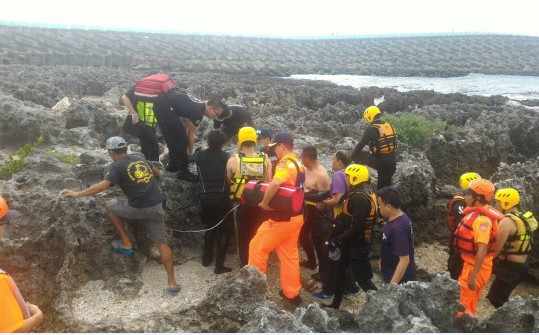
[(323, 295), (295, 301), (308, 265), (186, 175)]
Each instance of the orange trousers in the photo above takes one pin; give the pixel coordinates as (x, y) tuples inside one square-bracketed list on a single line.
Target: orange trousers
[(283, 237), (469, 298)]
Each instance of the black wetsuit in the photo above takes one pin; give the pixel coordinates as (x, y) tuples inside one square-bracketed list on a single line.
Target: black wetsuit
[(240, 118), (214, 202), (355, 247), (385, 164), (174, 105)]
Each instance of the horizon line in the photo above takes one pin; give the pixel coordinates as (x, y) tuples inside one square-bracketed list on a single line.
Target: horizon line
[(65, 26)]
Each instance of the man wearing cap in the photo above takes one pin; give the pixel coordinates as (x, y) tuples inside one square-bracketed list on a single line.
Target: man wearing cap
[(16, 315), (144, 202), (280, 232), (230, 124), (181, 140), (263, 141)]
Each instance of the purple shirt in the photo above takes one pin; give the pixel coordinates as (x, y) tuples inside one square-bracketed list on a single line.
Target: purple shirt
[(397, 240), (338, 185)]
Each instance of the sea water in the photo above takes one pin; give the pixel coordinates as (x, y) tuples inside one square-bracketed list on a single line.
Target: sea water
[(513, 87)]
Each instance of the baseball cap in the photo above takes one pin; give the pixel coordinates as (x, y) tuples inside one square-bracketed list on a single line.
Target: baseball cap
[(283, 138), (263, 133), (115, 142)]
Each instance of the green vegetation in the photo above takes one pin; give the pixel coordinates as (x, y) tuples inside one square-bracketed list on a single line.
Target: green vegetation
[(15, 163), (416, 130), (69, 159)]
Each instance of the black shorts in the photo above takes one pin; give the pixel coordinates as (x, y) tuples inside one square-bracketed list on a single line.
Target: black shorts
[(508, 275)]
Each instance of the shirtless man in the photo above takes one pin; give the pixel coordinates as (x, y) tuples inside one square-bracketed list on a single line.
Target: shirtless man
[(316, 226)]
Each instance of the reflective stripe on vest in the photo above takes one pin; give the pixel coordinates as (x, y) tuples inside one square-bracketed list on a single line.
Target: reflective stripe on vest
[(387, 139), (145, 113), (522, 241), (247, 169), (371, 218), (464, 237)]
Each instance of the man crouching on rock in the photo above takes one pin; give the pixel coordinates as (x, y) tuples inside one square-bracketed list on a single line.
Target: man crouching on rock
[(144, 202)]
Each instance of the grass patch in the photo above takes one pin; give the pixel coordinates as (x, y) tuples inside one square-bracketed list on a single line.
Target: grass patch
[(69, 159), (15, 163), (416, 130)]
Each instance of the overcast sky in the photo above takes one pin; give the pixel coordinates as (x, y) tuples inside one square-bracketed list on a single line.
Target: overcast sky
[(283, 18)]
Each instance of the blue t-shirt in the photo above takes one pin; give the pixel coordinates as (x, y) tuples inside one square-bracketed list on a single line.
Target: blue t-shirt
[(397, 240)]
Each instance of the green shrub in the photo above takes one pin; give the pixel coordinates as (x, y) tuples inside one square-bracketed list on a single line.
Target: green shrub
[(416, 130), (15, 163), (69, 159)]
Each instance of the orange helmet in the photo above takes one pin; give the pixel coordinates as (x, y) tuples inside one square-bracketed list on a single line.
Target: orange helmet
[(3, 207), (482, 187)]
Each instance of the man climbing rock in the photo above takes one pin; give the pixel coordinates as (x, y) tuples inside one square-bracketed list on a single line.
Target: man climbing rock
[(144, 203), (382, 140)]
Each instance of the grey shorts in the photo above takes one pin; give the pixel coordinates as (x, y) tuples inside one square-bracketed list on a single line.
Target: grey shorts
[(153, 217)]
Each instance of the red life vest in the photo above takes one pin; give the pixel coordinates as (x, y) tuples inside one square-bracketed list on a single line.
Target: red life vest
[(450, 217), (464, 237)]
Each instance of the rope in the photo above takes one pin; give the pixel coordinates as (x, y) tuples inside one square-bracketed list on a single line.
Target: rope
[(205, 230)]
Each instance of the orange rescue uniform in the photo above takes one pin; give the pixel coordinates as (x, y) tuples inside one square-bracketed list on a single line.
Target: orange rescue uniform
[(281, 235), (482, 227), (11, 317)]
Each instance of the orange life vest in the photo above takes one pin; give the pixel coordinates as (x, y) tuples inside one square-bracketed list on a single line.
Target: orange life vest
[(450, 217), (464, 237), (387, 139), (369, 220)]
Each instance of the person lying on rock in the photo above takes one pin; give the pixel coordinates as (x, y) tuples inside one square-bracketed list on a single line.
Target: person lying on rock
[(144, 203), (16, 315)]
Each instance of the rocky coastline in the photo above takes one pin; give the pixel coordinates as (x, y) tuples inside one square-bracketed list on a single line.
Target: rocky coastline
[(59, 254)]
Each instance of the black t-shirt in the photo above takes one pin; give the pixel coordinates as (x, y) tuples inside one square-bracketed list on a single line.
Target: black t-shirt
[(182, 105), (134, 176), (211, 166), (232, 125)]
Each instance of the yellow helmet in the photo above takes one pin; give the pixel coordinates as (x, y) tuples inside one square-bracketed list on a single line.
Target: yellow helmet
[(370, 113), (466, 178), (357, 173), (508, 197), (246, 134)]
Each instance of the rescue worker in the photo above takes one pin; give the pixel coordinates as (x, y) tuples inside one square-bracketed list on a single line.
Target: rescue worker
[(476, 240), (242, 167), (280, 232), (263, 141), (214, 200), (513, 244), (144, 203), (353, 233), (315, 226), (382, 140), (181, 140), (455, 207), (231, 123), (16, 314), (141, 123)]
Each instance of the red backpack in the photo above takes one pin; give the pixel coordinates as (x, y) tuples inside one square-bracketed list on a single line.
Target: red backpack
[(154, 87)]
